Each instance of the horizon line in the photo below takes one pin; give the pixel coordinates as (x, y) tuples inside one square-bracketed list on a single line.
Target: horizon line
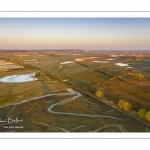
[(75, 49)]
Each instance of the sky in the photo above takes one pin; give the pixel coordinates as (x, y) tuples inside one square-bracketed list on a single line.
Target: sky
[(75, 33)]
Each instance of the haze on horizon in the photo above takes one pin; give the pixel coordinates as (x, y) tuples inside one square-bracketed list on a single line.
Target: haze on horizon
[(75, 33)]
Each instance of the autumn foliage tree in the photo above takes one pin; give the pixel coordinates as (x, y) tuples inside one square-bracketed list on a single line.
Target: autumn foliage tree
[(141, 113), (147, 115), (120, 103), (127, 106), (124, 105), (99, 93), (139, 76)]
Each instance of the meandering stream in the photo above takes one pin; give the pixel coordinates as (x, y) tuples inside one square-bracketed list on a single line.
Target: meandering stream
[(70, 92), (75, 97), (75, 114)]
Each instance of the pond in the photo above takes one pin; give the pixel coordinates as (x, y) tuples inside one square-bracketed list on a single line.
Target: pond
[(97, 61), (66, 62), (18, 78), (121, 64), (110, 59)]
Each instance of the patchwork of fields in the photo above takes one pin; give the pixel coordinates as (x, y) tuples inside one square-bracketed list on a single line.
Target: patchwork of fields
[(84, 73)]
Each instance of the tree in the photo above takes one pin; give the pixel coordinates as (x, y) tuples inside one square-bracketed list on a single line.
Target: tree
[(139, 76), (99, 93), (141, 113), (120, 103), (124, 105), (127, 106), (147, 115)]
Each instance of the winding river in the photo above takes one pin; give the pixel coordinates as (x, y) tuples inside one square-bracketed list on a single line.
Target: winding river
[(75, 114), (70, 92), (76, 95)]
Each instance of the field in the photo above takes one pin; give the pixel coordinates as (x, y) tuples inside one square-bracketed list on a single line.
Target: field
[(63, 99)]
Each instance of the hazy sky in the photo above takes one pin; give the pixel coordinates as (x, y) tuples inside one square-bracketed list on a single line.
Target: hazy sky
[(75, 33)]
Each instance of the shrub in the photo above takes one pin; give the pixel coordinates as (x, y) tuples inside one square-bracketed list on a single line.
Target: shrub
[(141, 113)]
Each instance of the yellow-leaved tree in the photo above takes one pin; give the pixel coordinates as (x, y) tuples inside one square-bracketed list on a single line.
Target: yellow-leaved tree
[(141, 113), (120, 103), (139, 76), (99, 93), (147, 115), (124, 105), (127, 106)]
